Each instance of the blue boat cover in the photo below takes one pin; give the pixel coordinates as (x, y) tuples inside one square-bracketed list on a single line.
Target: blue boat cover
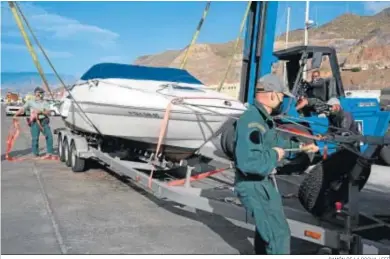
[(135, 72)]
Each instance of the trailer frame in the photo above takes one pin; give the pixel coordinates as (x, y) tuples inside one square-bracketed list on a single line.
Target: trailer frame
[(337, 234)]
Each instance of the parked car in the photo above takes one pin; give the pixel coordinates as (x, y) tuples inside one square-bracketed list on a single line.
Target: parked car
[(12, 108), (54, 111)]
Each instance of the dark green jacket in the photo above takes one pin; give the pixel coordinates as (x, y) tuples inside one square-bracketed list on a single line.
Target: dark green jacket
[(255, 138)]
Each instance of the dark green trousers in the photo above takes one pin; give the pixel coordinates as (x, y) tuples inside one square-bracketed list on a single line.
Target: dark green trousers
[(35, 132), (264, 203)]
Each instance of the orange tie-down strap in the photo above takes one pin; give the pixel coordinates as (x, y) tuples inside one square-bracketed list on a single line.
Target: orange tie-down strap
[(197, 177), (165, 122), (11, 139)]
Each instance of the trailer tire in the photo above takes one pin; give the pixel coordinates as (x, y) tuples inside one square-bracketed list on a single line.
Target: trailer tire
[(77, 164), (61, 150), (324, 186), (67, 153)]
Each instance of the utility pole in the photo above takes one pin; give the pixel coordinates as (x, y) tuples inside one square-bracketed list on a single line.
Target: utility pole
[(286, 43), (307, 23), (306, 39)]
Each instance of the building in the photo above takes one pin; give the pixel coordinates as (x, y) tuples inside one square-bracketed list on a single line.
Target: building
[(11, 97)]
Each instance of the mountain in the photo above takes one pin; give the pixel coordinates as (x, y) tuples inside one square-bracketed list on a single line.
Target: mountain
[(347, 26), (362, 43), (25, 82)]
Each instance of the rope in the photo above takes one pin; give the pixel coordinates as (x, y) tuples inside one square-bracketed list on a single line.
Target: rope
[(12, 4), (29, 45), (291, 120), (235, 46), (11, 139), (196, 34)]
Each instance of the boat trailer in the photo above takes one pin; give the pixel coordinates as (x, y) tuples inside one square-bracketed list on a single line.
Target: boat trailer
[(198, 183)]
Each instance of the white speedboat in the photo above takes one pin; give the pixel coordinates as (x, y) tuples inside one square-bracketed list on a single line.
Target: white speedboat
[(129, 102)]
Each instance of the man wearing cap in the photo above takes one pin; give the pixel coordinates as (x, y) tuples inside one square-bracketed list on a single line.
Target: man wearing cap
[(39, 110), (337, 116), (258, 149)]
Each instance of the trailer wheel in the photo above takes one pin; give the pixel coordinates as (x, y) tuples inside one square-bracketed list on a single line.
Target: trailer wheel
[(78, 164), (327, 183), (61, 150), (67, 153)]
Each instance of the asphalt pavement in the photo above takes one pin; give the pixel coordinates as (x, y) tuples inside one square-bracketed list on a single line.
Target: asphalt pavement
[(47, 209)]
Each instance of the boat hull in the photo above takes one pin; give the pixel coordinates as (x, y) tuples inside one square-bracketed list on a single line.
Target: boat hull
[(185, 131)]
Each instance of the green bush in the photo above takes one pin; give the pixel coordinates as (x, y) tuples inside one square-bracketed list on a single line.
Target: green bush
[(356, 69)]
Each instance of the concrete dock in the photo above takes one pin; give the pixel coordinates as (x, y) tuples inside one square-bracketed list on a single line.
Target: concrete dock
[(47, 209)]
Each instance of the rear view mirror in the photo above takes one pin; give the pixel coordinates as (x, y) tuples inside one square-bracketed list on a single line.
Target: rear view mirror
[(316, 60)]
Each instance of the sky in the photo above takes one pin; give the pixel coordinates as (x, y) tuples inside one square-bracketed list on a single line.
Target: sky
[(77, 35)]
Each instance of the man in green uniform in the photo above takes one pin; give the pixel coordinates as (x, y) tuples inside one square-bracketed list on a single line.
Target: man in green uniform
[(41, 109), (258, 149)]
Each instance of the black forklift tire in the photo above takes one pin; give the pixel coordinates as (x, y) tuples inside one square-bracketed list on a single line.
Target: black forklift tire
[(77, 164), (61, 150), (67, 153), (317, 192)]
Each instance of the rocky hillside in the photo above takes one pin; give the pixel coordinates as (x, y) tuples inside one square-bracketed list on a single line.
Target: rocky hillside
[(362, 43)]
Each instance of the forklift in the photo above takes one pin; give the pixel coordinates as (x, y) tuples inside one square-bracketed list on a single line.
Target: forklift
[(366, 117)]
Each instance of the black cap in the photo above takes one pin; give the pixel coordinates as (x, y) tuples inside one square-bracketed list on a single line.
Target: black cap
[(39, 90)]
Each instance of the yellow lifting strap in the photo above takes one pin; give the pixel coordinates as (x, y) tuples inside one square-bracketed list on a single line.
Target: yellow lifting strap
[(196, 34), (30, 48), (40, 47), (235, 46)]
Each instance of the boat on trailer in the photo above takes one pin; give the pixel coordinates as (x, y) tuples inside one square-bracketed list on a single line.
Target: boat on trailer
[(128, 104)]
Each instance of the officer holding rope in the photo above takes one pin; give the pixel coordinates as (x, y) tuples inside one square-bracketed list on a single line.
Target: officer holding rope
[(258, 149), (38, 121)]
